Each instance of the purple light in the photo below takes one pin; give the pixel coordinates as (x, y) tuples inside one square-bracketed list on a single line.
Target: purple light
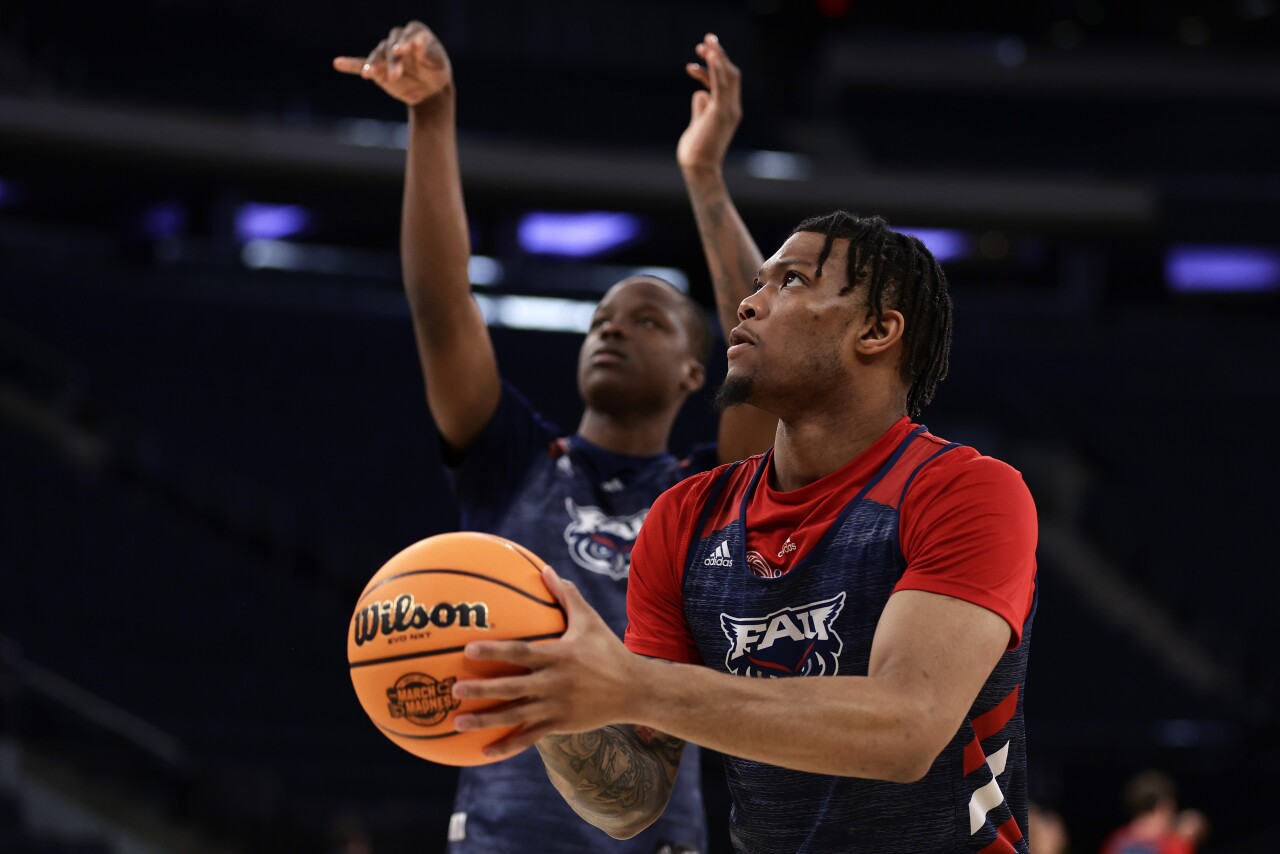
[(1222, 269), (163, 220), (261, 221), (578, 235), (946, 244), (8, 193)]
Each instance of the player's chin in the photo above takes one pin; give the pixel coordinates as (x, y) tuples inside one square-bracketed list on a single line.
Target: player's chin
[(738, 388), (607, 388)]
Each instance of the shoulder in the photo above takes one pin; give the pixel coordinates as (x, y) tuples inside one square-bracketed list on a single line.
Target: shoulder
[(967, 470), (962, 489)]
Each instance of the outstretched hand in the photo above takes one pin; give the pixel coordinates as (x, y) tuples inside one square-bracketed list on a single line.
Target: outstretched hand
[(410, 64), (715, 110), (577, 683)]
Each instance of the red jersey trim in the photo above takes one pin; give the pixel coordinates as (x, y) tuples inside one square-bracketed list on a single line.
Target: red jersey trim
[(1008, 835), (986, 725)]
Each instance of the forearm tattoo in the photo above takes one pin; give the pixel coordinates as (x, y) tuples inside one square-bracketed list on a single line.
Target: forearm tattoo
[(618, 776), (732, 256)]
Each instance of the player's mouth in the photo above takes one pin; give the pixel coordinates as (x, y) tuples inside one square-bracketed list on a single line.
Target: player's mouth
[(607, 356), (740, 340)]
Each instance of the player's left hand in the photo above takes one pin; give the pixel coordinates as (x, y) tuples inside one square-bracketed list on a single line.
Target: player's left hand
[(580, 682)]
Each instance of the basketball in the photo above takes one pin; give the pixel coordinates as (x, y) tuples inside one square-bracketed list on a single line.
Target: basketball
[(412, 621)]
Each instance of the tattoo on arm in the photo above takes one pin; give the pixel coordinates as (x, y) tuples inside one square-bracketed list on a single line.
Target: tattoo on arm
[(619, 777), (732, 255)]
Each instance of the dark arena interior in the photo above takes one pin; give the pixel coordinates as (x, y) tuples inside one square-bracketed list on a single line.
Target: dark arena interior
[(213, 431)]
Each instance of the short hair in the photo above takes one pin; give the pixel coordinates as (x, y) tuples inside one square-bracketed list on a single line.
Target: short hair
[(900, 273), (1147, 790)]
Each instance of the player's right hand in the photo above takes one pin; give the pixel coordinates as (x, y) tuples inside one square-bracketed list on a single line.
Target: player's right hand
[(410, 64), (714, 112)]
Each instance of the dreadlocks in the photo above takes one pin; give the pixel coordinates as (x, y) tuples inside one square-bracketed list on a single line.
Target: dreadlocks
[(900, 273)]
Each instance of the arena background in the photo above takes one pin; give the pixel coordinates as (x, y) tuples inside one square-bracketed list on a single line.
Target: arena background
[(212, 427)]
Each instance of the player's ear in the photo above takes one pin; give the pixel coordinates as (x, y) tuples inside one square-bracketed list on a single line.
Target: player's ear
[(877, 335), (693, 376)]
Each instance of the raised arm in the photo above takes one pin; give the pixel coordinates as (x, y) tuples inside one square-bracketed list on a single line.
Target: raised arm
[(732, 255), (458, 362)]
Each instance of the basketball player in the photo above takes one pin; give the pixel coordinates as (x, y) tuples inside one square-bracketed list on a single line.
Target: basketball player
[(576, 500), (861, 548)]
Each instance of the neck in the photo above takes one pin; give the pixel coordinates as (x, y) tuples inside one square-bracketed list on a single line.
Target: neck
[(627, 433), (1152, 824), (814, 446)]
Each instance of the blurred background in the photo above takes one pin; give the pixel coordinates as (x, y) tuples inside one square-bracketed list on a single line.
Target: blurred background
[(212, 427)]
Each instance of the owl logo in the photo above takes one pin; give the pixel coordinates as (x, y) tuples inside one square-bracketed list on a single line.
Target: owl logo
[(797, 641), (601, 543)]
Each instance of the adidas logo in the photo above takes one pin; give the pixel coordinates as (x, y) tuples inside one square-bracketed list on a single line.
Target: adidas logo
[(720, 557)]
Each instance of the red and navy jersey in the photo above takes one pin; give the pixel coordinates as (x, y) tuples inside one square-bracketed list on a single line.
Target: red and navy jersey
[(732, 574)]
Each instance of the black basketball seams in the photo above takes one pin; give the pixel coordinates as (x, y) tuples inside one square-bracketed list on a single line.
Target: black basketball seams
[(468, 573), (398, 734), (429, 653)]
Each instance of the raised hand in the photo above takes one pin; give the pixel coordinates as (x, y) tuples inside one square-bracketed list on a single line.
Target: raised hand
[(715, 110), (410, 64)]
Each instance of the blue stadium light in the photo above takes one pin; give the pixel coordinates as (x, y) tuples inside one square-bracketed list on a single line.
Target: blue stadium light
[(262, 221), (1222, 269), (164, 220), (373, 133), (576, 235), (777, 165), (541, 314), (674, 275), (946, 244), (484, 271)]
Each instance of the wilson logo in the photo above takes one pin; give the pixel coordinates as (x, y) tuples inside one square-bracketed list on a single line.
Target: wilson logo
[(391, 617), (799, 641)]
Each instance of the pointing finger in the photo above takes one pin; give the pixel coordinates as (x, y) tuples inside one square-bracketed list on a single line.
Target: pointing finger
[(697, 72), (348, 64)]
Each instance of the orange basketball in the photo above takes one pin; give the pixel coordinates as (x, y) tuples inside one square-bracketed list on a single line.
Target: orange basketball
[(414, 618)]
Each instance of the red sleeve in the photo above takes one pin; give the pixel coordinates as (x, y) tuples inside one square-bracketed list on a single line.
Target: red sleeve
[(656, 624), (969, 530)]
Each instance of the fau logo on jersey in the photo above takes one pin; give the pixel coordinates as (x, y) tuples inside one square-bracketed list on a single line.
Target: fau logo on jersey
[(599, 542), (799, 641)]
